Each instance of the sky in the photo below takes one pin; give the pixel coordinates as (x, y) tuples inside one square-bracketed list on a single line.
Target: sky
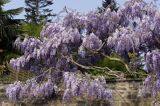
[(78, 5)]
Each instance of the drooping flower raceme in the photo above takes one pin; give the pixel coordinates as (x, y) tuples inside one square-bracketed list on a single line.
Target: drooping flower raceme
[(90, 42), (78, 85), (30, 89), (152, 82)]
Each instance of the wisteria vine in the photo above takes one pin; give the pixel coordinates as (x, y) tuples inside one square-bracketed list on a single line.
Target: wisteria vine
[(132, 29)]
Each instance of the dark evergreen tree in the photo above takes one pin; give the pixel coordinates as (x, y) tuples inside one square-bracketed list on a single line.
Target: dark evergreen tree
[(108, 4), (9, 28), (36, 10)]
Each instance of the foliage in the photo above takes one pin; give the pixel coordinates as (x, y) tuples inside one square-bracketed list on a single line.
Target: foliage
[(9, 27), (67, 50), (31, 29), (10, 55), (112, 64), (37, 11)]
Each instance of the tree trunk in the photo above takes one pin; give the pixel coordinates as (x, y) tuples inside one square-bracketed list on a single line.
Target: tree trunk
[(37, 11)]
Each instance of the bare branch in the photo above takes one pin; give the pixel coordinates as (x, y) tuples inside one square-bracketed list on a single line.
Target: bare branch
[(101, 69)]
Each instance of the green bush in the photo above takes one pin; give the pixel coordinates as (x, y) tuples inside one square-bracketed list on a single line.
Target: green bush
[(112, 64), (32, 29)]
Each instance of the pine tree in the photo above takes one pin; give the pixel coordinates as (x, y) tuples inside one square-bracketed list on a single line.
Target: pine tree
[(36, 10), (108, 4)]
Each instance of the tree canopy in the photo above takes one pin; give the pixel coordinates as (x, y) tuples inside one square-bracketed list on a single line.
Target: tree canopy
[(36, 10), (8, 26)]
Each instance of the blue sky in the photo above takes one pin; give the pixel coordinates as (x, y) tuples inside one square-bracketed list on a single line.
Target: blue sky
[(79, 5)]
